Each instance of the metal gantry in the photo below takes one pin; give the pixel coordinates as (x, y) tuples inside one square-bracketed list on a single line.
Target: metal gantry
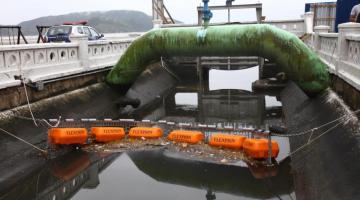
[(11, 35), (160, 12)]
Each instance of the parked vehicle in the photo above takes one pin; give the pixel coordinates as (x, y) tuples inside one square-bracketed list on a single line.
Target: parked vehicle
[(63, 33)]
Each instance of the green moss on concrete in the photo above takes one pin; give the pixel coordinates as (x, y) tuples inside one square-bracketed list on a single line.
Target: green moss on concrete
[(285, 49)]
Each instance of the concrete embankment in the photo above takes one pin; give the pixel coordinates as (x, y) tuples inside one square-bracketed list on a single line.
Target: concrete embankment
[(328, 168), (17, 160), (15, 96)]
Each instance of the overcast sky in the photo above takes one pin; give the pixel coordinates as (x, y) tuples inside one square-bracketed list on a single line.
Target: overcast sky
[(16, 11)]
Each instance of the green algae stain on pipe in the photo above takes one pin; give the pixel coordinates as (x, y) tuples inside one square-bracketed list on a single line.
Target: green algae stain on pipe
[(300, 63)]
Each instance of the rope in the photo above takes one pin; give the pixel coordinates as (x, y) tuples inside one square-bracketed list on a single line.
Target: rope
[(42, 120), (316, 138), (22, 140), (310, 141), (163, 65), (314, 129), (29, 106), (312, 132)]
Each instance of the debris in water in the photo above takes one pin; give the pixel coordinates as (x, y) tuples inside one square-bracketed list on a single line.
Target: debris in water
[(199, 151), (224, 161)]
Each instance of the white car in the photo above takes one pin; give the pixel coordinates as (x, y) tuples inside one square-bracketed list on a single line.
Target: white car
[(63, 33)]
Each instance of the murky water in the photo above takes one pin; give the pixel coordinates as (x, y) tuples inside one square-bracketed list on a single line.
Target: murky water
[(156, 175)]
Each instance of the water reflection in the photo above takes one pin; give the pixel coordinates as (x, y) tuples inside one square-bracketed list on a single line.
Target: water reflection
[(258, 182), (219, 106), (62, 177), (157, 175), (184, 103), (201, 100)]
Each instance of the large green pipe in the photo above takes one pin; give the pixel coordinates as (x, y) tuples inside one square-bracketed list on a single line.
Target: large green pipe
[(285, 49)]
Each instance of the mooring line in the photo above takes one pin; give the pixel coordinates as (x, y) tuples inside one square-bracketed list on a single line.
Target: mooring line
[(28, 103), (311, 141), (27, 96), (39, 120), (22, 140), (163, 65), (316, 128)]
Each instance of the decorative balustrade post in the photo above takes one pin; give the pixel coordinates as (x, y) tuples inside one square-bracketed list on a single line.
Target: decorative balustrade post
[(83, 54), (309, 22), (343, 44), (318, 30)]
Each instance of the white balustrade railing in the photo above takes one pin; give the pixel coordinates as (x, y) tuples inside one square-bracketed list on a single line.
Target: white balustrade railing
[(340, 51), (296, 27), (328, 49), (105, 54), (41, 62)]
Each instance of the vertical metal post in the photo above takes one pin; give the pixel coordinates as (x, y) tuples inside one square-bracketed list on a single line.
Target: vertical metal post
[(229, 14), (200, 16), (22, 35), (18, 35), (270, 149)]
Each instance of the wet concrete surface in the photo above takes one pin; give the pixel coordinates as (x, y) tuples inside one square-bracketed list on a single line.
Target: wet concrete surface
[(18, 160), (329, 167)]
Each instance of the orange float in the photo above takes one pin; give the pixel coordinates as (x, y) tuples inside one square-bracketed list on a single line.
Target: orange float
[(259, 148), (68, 135), (191, 137), (107, 134), (227, 141), (146, 132)]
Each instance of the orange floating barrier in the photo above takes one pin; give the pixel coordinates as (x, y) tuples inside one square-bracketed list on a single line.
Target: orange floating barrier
[(259, 148), (227, 141), (107, 134), (191, 137), (68, 135), (146, 132)]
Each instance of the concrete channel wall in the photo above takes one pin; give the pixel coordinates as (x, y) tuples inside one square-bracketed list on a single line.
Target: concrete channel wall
[(341, 52)]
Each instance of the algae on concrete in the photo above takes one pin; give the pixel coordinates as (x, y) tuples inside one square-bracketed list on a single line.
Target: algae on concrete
[(298, 61)]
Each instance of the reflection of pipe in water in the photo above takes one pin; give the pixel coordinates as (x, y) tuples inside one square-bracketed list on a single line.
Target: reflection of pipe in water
[(237, 180)]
